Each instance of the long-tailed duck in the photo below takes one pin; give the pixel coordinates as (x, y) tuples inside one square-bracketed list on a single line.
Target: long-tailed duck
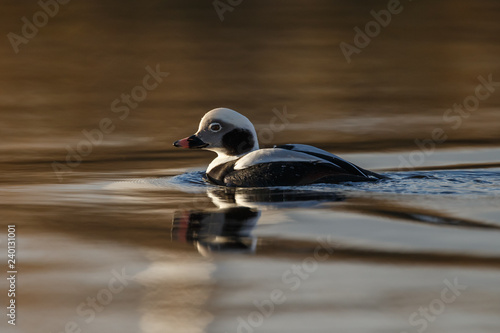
[(240, 162)]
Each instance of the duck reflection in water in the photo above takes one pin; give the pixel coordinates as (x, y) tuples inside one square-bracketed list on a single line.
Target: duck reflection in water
[(228, 228)]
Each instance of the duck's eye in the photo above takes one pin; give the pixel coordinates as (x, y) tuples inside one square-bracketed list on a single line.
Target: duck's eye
[(214, 127)]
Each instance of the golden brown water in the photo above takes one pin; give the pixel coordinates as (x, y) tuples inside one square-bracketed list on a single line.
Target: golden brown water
[(124, 236)]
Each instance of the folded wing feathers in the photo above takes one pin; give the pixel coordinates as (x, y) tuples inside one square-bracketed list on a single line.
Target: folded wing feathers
[(296, 153), (324, 155), (269, 155)]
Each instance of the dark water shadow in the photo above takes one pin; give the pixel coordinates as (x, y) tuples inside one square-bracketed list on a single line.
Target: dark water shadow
[(228, 228)]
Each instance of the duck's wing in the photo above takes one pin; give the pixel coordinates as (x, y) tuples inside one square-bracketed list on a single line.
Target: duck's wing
[(334, 159), (277, 155), (286, 167)]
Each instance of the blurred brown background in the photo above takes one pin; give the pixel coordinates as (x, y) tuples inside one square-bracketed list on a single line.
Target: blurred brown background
[(264, 55)]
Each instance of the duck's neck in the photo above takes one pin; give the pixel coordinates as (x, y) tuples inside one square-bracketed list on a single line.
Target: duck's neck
[(224, 158)]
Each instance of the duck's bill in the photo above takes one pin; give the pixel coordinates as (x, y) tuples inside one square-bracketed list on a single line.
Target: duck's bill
[(190, 143)]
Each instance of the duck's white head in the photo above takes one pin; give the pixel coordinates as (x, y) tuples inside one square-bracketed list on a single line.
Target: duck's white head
[(225, 132)]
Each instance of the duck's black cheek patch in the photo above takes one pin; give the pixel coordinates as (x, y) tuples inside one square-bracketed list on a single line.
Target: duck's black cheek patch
[(238, 141)]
